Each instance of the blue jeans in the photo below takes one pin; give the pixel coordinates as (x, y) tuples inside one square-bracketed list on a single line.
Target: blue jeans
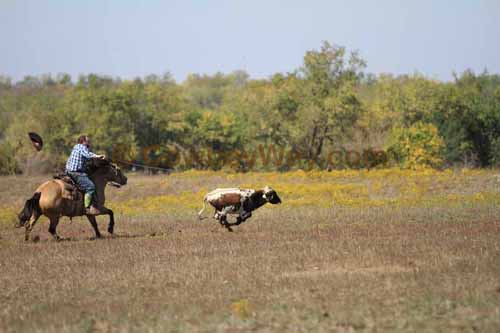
[(83, 181)]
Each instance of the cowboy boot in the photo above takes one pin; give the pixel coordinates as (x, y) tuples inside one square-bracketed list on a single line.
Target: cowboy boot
[(92, 210)]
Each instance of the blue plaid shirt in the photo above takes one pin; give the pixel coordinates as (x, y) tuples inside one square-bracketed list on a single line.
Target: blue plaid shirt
[(78, 157)]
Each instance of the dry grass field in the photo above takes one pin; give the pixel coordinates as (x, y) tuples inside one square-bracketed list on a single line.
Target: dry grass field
[(384, 250)]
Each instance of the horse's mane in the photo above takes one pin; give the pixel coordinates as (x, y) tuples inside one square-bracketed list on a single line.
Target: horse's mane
[(93, 165)]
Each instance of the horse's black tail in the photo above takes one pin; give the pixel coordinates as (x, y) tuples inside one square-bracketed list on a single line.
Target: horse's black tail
[(31, 206)]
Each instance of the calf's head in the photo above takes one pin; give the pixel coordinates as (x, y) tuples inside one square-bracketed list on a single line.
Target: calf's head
[(271, 196)]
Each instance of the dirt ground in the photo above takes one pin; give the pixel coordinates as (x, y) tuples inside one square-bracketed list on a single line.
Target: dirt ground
[(354, 251)]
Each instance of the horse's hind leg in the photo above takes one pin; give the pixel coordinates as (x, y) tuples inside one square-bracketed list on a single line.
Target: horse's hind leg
[(29, 226), (93, 222), (54, 221), (111, 225)]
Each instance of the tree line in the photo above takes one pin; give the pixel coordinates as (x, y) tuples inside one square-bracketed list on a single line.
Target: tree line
[(328, 104)]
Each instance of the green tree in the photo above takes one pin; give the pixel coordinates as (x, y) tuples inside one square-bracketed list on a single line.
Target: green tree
[(469, 118), (330, 105)]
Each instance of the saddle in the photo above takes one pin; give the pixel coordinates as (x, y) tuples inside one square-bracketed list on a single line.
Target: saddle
[(72, 190)]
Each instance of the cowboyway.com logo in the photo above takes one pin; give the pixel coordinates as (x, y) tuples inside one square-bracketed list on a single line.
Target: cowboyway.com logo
[(260, 157)]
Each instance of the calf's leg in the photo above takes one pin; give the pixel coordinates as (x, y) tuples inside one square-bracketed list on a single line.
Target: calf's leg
[(226, 224)]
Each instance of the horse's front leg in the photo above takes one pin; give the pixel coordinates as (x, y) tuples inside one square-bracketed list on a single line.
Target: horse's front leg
[(111, 225), (93, 222)]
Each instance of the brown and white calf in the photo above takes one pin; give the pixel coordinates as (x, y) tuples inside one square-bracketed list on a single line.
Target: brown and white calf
[(236, 201)]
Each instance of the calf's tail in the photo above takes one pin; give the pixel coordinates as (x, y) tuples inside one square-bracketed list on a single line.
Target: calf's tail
[(30, 207), (201, 211)]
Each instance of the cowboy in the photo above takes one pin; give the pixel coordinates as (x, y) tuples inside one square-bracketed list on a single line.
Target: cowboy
[(75, 167)]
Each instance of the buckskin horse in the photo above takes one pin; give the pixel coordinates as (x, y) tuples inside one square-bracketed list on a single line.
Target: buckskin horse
[(56, 198)]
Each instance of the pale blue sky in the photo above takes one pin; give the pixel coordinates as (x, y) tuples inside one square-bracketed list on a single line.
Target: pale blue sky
[(134, 38)]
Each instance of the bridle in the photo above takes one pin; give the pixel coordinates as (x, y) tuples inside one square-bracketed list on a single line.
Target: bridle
[(115, 171)]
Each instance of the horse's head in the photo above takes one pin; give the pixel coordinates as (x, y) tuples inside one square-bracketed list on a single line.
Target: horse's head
[(110, 172)]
